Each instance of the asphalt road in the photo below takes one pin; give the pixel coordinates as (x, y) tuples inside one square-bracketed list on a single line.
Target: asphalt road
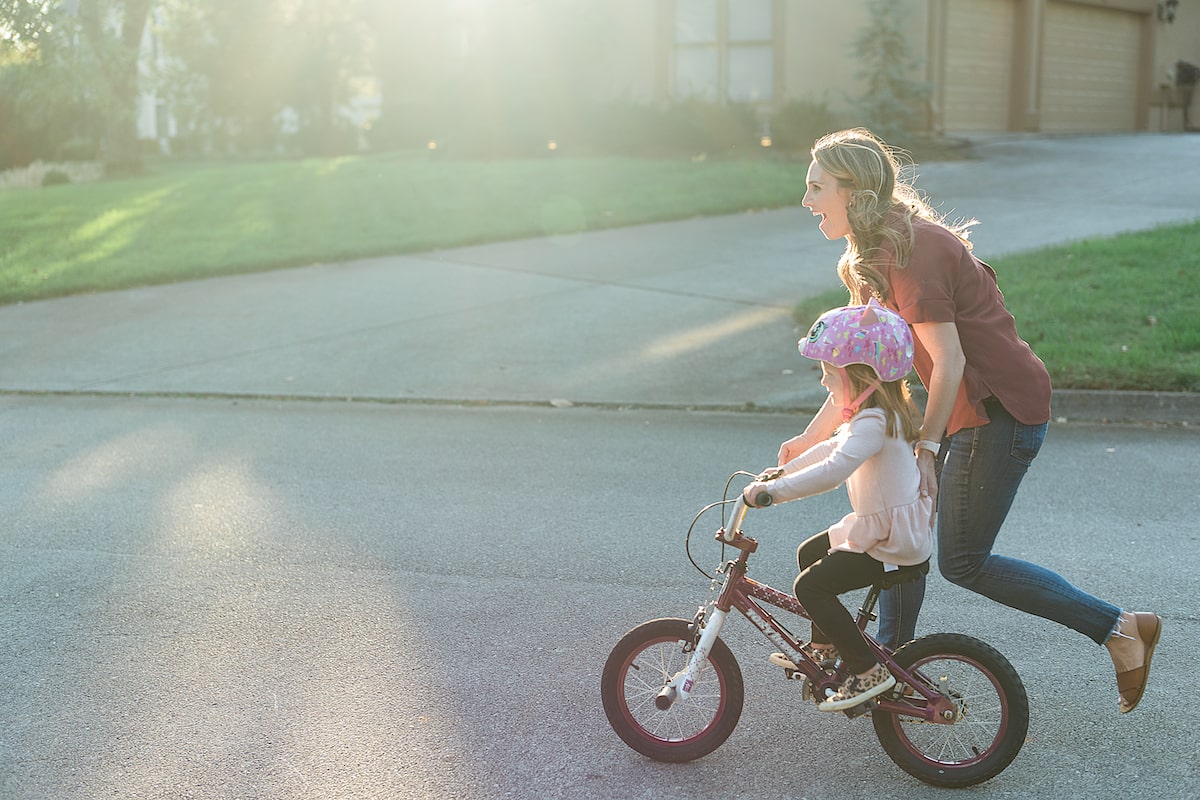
[(232, 599)]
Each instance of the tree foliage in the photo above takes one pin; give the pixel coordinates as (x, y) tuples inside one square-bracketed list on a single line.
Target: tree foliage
[(112, 32), (70, 77), (254, 75), (48, 109), (481, 77)]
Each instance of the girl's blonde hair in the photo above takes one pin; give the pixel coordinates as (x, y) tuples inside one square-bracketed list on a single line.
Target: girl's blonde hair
[(881, 209), (892, 397)]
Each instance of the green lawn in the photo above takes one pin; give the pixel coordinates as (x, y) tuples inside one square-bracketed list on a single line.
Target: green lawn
[(187, 221), (1118, 313)]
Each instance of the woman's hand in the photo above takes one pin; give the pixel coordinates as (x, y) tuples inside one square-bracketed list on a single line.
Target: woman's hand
[(770, 474), (942, 343), (823, 424), (792, 448), (929, 481)]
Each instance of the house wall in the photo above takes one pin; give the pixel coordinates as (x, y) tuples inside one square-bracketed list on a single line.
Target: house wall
[(1041, 65), (814, 51), (993, 65), (997, 65), (818, 60), (1072, 65), (1174, 42), (634, 66)]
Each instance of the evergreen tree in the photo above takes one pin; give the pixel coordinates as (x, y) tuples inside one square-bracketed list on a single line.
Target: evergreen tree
[(893, 101)]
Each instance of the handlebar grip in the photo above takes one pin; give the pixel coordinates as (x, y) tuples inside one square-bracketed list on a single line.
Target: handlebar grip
[(763, 499)]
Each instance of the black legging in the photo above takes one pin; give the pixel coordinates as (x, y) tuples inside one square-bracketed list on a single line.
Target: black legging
[(823, 576)]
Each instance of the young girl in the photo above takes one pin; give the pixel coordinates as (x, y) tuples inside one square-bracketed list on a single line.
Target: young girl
[(865, 354)]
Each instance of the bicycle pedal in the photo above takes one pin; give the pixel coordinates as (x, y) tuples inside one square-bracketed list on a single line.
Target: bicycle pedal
[(861, 709), (780, 660)]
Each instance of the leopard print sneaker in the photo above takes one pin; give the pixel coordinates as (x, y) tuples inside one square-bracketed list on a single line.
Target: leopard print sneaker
[(823, 654), (859, 689)]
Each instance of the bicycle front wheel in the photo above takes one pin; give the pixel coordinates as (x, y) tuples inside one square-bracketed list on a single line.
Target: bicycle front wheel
[(641, 664), (993, 713)]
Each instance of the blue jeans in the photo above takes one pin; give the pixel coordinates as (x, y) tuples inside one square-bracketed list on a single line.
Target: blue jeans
[(983, 468), (898, 610)]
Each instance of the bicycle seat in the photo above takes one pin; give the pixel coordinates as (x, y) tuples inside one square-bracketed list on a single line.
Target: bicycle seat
[(896, 577)]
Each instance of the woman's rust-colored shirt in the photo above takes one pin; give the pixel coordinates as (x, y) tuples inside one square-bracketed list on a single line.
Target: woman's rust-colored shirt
[(944, 282)]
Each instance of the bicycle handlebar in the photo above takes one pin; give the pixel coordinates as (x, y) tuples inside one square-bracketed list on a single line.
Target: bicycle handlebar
[(730, 532), (761, 500)]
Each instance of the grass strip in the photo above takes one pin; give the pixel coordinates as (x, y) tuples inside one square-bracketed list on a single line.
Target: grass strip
[(183, 222)]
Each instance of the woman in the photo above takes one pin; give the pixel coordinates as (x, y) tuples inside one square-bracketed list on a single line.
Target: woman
[(989, 396)]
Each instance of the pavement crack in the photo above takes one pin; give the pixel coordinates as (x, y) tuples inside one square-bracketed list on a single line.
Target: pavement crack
[(614, 284)]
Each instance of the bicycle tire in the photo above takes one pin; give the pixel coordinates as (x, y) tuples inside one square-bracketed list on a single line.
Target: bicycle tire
[(638, 667), (994, 721)]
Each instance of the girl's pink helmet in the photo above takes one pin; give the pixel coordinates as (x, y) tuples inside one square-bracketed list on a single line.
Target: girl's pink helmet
[(870, 334)]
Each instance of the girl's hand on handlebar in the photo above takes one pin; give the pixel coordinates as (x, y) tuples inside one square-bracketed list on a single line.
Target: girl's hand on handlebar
[(753, 492)]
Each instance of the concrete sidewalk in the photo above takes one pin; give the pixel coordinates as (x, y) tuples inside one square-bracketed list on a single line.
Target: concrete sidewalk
[(692, 313)]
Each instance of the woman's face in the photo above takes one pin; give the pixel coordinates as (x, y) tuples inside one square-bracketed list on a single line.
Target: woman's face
[(827, 200)]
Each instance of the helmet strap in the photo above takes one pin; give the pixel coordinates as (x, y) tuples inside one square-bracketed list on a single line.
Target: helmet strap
[(851, 408)]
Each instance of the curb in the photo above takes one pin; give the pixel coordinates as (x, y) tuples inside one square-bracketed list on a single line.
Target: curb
[(1170, 408), (1066, 405), (1102, 406)]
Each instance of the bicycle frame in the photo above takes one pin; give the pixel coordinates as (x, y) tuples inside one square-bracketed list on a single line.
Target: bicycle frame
[(740, 592)]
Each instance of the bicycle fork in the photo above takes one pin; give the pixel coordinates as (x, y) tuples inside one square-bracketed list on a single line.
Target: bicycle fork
[(708, 620), (681, 684)]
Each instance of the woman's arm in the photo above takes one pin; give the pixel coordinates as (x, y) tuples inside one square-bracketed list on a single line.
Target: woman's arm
[(941, 342), (828, 465), (823, 424)]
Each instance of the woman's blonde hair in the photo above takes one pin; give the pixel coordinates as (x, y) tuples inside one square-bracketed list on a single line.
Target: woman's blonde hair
[(881, 209), (892, 397)]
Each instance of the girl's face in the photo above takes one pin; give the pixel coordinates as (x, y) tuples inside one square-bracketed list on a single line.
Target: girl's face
[(826, 199), (831, 379)]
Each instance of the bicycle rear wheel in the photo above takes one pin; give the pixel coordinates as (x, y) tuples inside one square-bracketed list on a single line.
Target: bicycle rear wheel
[(641, 664), (993, 713)]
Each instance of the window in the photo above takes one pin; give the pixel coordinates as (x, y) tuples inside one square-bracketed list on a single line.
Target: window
[(725, 50)]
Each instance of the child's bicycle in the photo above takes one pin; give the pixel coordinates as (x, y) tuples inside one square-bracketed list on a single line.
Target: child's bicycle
[(673, 691)]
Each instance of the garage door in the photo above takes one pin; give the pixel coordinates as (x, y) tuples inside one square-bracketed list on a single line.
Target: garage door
[(1089, 69), (978, 65)]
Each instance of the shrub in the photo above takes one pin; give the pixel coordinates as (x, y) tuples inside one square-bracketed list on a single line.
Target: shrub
[(800, 123), (78, 148), (683, 128), (55, 177)]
